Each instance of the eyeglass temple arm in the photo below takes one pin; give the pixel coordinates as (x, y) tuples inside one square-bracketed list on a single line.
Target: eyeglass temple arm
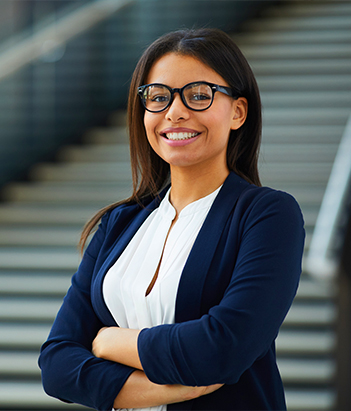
[(226, 90)]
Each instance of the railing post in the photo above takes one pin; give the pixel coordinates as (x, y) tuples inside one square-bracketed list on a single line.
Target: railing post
[(321, 261)]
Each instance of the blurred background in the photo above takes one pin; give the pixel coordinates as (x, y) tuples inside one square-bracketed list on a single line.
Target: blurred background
[(65, 68)]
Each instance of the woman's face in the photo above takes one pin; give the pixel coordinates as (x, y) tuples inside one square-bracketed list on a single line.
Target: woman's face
[(205, 143)]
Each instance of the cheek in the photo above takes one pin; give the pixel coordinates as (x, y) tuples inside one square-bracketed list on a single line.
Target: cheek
[(146, 121), (150, 124), (217, 122), (150, 129)]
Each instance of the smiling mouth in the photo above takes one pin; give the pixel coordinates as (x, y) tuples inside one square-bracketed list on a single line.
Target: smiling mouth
[(179, 136)]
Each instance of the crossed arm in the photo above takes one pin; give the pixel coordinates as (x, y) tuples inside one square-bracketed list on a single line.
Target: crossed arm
[(120, 345)]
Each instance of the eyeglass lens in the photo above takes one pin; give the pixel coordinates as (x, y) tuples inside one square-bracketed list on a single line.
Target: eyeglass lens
[(197, 96)]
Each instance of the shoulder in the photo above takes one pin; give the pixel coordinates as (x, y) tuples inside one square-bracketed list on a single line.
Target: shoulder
[(128, 211), (263, 196), (246, 197), (259, 204), (121, 211)]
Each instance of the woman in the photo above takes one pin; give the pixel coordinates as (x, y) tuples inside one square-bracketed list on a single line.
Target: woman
[(182, 290)]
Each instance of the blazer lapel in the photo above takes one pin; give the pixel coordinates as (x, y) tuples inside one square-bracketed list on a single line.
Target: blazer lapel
[(196, 268), (113, 254)]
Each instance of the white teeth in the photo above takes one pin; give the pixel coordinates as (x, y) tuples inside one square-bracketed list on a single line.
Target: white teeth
[(180, 136)]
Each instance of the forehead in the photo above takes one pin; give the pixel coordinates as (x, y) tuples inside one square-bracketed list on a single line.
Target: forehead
[(176, 70)]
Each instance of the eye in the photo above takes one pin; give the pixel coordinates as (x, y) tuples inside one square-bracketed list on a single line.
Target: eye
[(157, 94), (199, 97), (161, 98), (198, 94)]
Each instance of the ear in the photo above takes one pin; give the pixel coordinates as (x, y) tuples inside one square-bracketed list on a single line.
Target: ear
[(240, 113)]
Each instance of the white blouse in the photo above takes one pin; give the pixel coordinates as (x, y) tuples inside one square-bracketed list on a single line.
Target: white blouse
[(126, 282)]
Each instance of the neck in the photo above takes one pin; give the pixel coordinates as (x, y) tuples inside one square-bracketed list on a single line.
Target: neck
[(189, 186)]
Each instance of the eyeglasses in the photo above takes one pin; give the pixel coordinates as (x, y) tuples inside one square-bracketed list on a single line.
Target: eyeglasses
[(196, 96)]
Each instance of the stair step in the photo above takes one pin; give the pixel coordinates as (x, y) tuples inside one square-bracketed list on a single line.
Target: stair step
[(297, 51), (11, 336), (34, 283), (308, 9), (35, 259), (310, 399), (98, 195), (19, 364), (286, 116), (311, 82), (298, 24), (30, 395), (298, 153), (301, 67), (44, 236), (23, 214), (315, 290), (94, 153), (29, 309), (306, 371), (312, 343), (311, 315), (306, 99), (302, 134), (89, 172), (289, 172), (293, 37), (104, 135)]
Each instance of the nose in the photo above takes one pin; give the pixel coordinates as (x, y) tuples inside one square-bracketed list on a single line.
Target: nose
[(177, 111)]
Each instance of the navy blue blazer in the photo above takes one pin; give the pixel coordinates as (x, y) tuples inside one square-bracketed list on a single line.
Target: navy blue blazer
[(236, 288)]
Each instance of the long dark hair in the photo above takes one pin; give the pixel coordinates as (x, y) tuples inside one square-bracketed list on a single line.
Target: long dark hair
[(217, 50)]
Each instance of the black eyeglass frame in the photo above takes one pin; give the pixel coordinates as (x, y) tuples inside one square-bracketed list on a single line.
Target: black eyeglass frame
[(215, 87)]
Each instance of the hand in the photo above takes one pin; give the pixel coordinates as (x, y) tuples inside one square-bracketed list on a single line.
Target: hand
[(118, 345), (99, 344)]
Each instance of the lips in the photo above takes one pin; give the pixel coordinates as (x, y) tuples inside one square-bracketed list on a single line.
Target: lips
[(179, 134)]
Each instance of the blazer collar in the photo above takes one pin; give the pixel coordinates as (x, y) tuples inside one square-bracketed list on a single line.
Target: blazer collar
[(194, 273)]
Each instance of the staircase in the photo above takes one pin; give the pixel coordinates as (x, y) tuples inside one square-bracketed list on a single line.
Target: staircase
[(301, 55), (40, 226)]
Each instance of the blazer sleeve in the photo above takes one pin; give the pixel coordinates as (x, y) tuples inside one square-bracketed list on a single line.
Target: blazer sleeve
[(221, 345), (70, 372)]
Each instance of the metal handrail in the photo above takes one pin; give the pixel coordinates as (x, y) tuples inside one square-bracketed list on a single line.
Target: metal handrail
[(57, 34), (321, 260)]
